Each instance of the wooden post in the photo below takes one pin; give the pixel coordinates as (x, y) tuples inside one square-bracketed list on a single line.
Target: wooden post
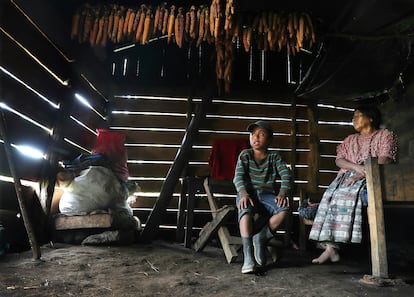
[(18, 187), (293, 161), (313, 160), (313, 168), (376, 220), (293, 155), (190, 211), (179, 236)]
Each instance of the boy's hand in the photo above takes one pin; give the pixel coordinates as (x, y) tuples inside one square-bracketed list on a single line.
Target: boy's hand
[(244, 202), (281, 201)]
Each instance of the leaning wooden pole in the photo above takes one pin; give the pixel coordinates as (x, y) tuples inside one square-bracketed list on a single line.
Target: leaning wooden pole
[(18, 188), (173, 175)]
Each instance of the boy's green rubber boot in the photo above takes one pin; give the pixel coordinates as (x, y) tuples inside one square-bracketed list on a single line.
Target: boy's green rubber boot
[(249, 265), (259, 242)]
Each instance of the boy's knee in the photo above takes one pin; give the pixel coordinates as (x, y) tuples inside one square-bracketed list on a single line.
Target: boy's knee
[(244, 212), (281, 214), (283, 210)]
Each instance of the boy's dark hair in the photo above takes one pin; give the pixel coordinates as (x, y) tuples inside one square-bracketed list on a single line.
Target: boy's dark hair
[(372, 112)]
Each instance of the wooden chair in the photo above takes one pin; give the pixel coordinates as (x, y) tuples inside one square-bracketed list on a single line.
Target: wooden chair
[(229, 243)]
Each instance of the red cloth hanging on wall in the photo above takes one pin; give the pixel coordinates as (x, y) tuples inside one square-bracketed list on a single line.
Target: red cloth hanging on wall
[(112, 144), (223, 157)]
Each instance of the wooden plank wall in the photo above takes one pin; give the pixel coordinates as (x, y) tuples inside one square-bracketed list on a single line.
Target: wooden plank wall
[(154, 125), (334, 124), (154, 128), (38, 89)]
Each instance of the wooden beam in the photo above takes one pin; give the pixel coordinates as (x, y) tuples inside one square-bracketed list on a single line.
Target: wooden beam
[(99, 220), (376, 219), (151, 226)]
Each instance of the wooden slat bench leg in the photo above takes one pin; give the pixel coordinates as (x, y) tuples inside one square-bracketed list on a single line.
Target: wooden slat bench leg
[(376, 220)]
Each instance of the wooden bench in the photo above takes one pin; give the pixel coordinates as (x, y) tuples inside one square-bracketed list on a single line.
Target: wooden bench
[(391, 184)]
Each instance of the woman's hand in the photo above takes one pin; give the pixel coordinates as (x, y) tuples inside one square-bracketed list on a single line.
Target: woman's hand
[(360, 170), (244, 202), (353, 179), (348, 165), (359, 174)]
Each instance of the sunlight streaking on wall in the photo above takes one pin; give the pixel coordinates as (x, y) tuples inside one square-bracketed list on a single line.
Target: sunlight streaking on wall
[(77, 145), (28, 150), (55, 76), (26, 118), (27, 183), (86, 103), (44, 98), (83, 125)]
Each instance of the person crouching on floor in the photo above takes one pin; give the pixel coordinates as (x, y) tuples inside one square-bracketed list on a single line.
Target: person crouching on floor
[(256, 173)]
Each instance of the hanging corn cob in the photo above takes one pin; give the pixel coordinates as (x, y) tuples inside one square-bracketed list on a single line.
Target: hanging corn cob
[(179, 27), (100, 34), (87, 26), (148, 23), (119, 33), (94, 29), (193, 22), (75, 25), (115, 26), (171, 22), (187, 23), (165, 21), (105, 30), (207, 32), (157, 18), (110, 24), (201, 26), (135, 24), (130, 24), (268, 30), (140, 27)]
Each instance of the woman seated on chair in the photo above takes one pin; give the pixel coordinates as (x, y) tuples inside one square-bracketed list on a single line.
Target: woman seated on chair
[(339, 216)]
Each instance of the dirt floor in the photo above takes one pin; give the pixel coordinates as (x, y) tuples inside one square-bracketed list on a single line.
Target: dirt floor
[(168, 269)]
